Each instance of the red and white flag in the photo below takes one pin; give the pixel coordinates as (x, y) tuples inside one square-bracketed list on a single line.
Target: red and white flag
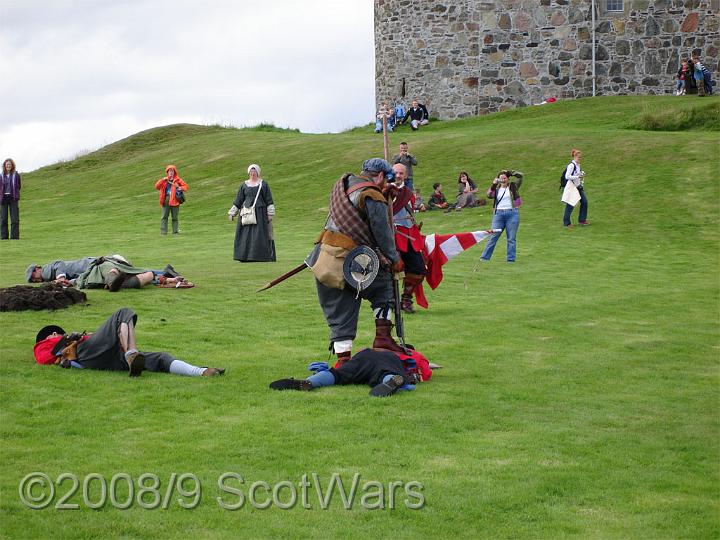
[(440, 248)]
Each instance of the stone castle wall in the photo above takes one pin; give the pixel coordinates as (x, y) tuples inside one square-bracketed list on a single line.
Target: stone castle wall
[(470, 57)]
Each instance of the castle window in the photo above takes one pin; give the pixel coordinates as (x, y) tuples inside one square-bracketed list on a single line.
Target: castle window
[(614, 5)]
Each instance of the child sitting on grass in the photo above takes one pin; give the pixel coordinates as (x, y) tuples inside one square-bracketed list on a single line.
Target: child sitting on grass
[(419, 203), (437, 199)]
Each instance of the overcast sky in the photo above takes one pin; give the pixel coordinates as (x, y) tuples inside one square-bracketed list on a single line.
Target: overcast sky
[(79, 74)]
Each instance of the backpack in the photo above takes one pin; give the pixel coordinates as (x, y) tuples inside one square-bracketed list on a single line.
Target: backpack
[(563, 180)]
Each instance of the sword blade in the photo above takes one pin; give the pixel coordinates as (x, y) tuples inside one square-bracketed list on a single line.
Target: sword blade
[(282, 278)]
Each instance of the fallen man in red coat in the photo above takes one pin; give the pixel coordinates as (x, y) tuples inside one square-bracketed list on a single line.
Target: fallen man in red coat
[(111, 348), (385, 371)]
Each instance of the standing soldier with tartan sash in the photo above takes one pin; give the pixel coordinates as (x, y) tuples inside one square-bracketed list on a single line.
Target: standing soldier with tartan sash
[(358, 216)]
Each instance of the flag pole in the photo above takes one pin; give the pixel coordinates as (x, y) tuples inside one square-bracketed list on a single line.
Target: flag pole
[(386, 144)]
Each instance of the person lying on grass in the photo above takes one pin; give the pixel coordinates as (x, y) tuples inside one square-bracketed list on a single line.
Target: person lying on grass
[(113, 272), (385, 371), (111, 348)]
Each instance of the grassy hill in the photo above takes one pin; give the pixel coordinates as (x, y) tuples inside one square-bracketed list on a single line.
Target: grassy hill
[(580, 390)]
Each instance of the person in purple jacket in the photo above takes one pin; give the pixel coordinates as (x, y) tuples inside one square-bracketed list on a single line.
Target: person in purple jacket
[(10, 195)]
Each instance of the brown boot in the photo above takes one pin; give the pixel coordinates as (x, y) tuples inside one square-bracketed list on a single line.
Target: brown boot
[(343, 357), (383, 339), (411, 281)]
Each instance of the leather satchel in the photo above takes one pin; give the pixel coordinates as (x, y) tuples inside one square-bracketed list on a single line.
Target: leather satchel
[(247, 215)]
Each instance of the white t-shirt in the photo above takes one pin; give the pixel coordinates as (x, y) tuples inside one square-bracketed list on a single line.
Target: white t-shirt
[(504, 198)]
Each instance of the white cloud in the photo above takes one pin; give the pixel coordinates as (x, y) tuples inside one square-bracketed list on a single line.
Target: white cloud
[(87, 73)]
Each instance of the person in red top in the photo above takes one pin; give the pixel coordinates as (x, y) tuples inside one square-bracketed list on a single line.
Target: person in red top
[(172, 189), (408, 241), (111, 348)]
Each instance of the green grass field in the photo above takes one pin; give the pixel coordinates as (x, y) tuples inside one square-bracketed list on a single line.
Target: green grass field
[(580, 391)]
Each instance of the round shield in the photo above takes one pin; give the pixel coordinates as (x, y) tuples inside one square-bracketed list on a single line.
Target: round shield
[(361, 267)]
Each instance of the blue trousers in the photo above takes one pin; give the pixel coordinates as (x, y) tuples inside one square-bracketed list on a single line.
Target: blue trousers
[(583, 209), (509, 221)]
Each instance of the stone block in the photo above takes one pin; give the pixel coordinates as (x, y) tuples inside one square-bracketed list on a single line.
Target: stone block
[(652, 63), (522, 22), (622, 47), (471, 82), (619, 26), (670, 26), (603, 28), (570, 44), (690, 23), (527, 70), (583, 33), (575, 15), (489, 20), (585, 52), (652, 28), (504, 21), (557, 18), (515, 89)]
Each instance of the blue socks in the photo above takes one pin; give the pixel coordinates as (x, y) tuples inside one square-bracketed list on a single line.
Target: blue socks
[(322, 378)]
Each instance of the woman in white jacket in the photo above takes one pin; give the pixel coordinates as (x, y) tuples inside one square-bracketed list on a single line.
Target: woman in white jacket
[(574, 174)]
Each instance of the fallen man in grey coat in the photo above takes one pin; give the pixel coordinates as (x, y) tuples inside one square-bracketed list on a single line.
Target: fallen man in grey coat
[(112, 272)]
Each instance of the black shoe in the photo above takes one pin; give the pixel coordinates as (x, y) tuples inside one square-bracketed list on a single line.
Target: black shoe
[(389, 387), (170, 271), (136, 363), (291, 384)]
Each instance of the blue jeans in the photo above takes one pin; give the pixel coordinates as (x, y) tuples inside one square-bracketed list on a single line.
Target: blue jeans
[(390, 125), (509, 221), (583, 209)]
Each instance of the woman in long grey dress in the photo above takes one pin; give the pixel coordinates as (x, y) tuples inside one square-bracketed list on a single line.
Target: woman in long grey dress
[(254, 243)]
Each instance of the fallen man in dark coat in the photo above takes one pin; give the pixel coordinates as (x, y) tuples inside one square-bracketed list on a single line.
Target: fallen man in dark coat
[(112, 272), (385, 371), (111, 348)]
